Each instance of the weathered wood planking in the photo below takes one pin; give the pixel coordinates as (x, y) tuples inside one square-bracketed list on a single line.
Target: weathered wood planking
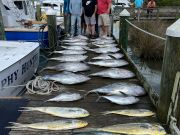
[(96, 119)]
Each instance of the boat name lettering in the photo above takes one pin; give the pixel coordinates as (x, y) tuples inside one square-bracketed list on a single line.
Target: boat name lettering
[(9, 79), (28, 64)]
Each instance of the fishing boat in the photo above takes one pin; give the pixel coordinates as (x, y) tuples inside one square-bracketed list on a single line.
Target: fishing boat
[(18, 16), (18, 62)]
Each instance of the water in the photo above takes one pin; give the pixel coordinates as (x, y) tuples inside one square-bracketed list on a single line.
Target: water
[(150, 69)]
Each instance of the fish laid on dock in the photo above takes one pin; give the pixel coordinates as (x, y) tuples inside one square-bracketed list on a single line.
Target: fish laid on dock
[(67, 78), (135, 129), (109, 56), (70, 52), (65, 112), (72, 57), (105, 50), (104, 41), (94, 133), (115, 73), (52, 125), (66, 97), (121, 100), (70, 66), (77, 44), (75, 47), (109, 63), (132, 112), (121, 88), (106, 45)]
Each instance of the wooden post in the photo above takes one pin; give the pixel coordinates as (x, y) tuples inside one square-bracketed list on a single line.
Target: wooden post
[(38, 12), (157, 14), (171, 65), (2, 32), (123, 34), (52, 34)]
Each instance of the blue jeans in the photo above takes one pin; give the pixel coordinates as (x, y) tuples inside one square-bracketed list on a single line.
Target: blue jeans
[(73, 23)]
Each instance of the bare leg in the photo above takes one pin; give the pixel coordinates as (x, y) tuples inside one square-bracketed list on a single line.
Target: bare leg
[(93, 30)]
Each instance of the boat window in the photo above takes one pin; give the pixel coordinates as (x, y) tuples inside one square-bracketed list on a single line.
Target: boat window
[(6, 7), (18, 4)]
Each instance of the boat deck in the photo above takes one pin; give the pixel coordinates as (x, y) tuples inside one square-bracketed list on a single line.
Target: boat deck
[(96, 119)]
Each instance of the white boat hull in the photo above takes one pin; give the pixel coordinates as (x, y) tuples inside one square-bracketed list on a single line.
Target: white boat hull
[(19, 70)]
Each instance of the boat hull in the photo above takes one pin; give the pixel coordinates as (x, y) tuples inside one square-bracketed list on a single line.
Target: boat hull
[(18, 72)]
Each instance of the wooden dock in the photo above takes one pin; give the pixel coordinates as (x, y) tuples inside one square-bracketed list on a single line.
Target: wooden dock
[(95, 120)]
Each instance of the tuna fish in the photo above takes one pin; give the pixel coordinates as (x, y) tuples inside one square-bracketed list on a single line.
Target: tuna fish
[(121, 88), (109, 63), (108, 56), (101, 42), (94, 133), (77, 44), (105, 50), (75, 47), (132, 112), (121, 100), (67, 78), (52, 125), (115, 73), (65, 112), (72, 57), (69, 66), (106, 45), (67, 97), (70, 52), (135, 129)]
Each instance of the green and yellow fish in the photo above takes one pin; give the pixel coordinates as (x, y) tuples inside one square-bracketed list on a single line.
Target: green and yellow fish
[(54, 125), (65, 112), (135, 129), (132, 112)]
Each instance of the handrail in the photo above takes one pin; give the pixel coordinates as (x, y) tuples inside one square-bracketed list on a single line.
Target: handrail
[(153, 35)]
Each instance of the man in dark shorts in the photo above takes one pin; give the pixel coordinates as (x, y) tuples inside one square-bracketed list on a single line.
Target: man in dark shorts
[(90, 8), (83, 24)]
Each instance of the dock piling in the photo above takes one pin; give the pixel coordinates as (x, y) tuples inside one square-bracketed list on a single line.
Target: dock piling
[(171, 65), (52, 34), (123, 34), (2, 32), (38, 11)]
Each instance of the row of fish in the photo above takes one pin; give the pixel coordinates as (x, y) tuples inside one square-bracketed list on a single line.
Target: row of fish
[(119, 93), (130, 128)]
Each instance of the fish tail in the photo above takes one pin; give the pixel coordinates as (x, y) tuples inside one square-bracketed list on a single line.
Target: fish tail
[(16, 125), (26, 109), (105, 113)]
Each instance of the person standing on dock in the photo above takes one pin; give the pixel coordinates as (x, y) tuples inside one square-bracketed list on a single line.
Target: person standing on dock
[(103, 10), (67, 17), (150, 6), (75, 8), (138, 5), (90, 8)]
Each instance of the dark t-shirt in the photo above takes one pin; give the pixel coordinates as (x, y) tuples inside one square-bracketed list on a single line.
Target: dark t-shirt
[(89, 7)]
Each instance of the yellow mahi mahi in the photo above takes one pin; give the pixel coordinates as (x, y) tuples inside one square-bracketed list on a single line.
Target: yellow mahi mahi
[(54, 125), (135, 129), (65, 112), (132, 112)]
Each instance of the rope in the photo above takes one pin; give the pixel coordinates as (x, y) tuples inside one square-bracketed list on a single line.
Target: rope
[(153, 35), (38, 86), (41, 87)]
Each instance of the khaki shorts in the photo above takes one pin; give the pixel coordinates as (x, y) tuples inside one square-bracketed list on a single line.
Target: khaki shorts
[(103, 19)]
